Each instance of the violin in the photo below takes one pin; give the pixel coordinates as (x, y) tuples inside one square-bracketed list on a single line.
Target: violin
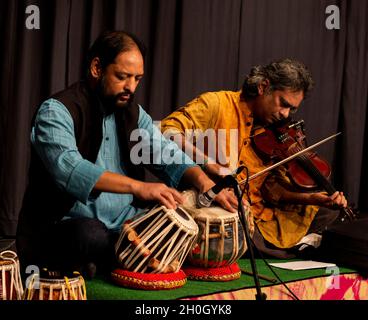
[(308, 171)]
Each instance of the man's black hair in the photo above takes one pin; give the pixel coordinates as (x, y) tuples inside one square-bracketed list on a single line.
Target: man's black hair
[(110, 44)]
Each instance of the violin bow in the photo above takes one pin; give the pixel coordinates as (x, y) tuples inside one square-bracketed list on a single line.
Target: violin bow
[(256, 175)]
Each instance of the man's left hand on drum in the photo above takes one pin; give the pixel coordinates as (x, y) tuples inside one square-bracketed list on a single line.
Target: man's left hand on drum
[(159, 192)]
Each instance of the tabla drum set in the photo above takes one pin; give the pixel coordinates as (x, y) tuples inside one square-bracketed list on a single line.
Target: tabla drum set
[(46, 285), (156, 250), (161, 248)]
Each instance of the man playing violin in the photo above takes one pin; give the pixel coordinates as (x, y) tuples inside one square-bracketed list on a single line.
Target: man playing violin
[(83, 178), (283, 214)]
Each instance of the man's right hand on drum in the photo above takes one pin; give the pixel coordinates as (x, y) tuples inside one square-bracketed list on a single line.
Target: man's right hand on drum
[(227, 199)]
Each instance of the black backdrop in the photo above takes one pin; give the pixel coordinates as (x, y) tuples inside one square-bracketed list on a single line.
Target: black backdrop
[(193, 46)]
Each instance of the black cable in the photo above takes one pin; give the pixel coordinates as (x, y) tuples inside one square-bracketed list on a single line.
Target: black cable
[(275, 274), (246, 188)]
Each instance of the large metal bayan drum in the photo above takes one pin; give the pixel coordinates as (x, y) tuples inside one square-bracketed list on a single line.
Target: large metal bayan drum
[(11, 287), (154, 243), (220, 243)]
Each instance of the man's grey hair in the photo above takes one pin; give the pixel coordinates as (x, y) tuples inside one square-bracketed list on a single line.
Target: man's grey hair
[(281, 74)]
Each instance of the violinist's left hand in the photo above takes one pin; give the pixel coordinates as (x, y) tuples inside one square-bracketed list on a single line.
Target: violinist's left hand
[(335, 201)]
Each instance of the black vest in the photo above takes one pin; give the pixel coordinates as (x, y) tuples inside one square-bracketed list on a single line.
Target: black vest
[(44, 202)]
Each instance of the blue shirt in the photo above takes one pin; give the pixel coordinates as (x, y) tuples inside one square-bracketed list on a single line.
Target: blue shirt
[(54, 140)]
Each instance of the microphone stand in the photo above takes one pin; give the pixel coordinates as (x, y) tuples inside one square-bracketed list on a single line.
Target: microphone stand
[(242, 217)]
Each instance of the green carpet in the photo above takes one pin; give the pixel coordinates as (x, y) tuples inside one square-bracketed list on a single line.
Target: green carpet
[(103, 289)]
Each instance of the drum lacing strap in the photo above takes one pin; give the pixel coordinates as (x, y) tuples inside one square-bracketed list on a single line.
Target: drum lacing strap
[(84, 293), (207, 239), (157, 239), (236, 250), (222, 241), (15, 276), (70, 289), (172, 253), (82, 289), (133, 224), (134, 253), (146, 242), (30, 285), (3, 294)]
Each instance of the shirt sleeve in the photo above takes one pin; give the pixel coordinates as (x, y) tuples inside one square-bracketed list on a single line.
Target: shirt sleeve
[(200, 113), (165, 159), (54, 140)]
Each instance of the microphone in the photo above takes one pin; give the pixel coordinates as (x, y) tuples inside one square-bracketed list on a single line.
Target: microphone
[(205, 199)]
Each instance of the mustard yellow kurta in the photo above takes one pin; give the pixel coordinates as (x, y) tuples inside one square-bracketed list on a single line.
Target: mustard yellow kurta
[(281, 225)]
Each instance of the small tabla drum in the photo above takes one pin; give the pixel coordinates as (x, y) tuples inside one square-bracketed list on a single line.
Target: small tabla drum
[(220, 243), (152, 248), (11, 287), (52, 285)]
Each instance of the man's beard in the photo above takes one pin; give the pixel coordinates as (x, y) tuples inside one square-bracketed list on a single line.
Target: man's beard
[(113, 102)]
